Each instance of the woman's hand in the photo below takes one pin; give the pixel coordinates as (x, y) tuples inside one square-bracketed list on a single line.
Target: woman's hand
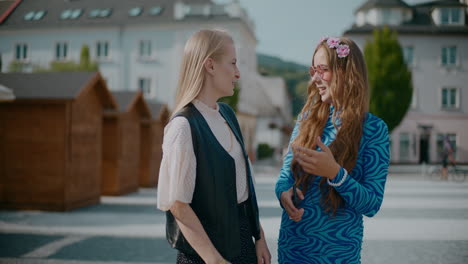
[(321, 163), (261, 248), (294, 213)]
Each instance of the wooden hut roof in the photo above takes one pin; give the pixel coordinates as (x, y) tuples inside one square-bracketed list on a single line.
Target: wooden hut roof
[(126, 100), (155, 107), (158, 110), (55, 85)]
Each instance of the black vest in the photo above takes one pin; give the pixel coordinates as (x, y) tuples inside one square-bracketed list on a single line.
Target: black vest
[(215, 197)]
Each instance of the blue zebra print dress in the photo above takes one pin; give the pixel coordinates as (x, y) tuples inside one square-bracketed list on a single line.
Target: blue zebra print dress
[(319, 237)]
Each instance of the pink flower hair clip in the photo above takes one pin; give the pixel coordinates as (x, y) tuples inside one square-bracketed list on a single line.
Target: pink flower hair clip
[(334, 43)]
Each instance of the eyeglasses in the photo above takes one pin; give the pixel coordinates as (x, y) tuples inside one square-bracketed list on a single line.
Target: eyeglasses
[(320, 69)]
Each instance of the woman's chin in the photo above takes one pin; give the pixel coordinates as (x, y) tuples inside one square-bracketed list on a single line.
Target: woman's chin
[(325, 99)]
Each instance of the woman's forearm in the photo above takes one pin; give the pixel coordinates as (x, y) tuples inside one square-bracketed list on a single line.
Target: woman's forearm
[(193, 231)]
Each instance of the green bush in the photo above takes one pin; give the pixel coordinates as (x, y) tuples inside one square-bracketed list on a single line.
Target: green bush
[(264, 151)]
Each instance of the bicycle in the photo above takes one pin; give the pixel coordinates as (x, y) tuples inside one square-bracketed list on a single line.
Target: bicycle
[(453, 172)]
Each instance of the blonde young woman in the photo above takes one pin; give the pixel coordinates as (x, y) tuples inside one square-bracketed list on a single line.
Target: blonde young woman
[(205, 180), (336, 169)]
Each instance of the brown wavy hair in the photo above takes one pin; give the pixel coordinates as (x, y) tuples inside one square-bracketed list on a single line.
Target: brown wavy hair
[(350, 97)]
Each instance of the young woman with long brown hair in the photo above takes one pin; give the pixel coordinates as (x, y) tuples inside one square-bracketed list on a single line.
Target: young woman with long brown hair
[(337, 164)]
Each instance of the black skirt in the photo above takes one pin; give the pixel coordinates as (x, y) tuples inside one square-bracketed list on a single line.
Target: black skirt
[(247, 255)]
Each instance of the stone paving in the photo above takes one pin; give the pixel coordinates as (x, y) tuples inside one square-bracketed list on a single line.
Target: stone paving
[(421, 221)]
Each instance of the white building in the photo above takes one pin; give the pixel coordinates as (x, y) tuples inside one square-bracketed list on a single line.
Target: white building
[(434, 38), (274, 116), (137, 44)]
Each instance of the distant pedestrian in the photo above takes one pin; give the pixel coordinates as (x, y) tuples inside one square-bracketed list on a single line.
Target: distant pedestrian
[(205, 179), (337, 164), (447, 156)]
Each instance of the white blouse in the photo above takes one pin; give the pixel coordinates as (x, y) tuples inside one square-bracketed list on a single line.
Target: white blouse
[(178, 166)]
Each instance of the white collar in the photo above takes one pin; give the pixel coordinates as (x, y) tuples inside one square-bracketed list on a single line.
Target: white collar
[(205, 109)]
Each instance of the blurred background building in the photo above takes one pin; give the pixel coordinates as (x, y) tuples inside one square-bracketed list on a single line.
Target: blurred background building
[(434, 38), (138, 45)]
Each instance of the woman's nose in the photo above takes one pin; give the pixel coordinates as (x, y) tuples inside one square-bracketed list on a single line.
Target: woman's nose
[(316, 77)]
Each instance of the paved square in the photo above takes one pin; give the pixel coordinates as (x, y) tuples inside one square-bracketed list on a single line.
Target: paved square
[(421, 221)]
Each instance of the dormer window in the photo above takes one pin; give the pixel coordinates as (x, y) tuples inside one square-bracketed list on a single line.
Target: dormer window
[(34, 15), (71, 14), (94, 13), (100, 12), (155, 11), (450, 16), (386, 16), (136, 11), (105, 12)]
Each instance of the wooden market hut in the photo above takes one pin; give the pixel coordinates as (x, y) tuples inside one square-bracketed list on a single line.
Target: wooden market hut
[(50, 140), (121, 143), (152, 132)]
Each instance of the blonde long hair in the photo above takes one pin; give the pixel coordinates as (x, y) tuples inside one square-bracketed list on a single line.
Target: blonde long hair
[(350, 97), (204, 44)]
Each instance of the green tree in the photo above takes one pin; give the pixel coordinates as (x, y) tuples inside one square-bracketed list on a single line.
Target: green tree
[(85, 60), (390, 82), (232, 100)]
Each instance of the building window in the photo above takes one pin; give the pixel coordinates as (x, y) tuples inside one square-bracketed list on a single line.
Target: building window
[(61, 51), (21, 51), (449, 56), (100, 13), (102, 50), (136, 11), (386, 16), (404, 146), (34, 15), (145, 48), (452, 141), (450, 16), (71, 14), (155, 11), (144, 85), (449, 98), (408, 55)]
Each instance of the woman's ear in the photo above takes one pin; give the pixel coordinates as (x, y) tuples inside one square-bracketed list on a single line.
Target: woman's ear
[(209, 66)]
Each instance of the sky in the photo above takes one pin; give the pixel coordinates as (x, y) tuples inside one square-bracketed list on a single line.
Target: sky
[(289, 29)]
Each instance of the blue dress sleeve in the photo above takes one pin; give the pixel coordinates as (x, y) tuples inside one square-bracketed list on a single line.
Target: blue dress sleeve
[(285, 179), (366, 195)]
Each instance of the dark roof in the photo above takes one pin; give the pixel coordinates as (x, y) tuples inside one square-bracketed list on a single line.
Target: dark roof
[(155, 107), (441, 3), (119, 13), (413, 29), (421, 22), (383, 3), (62, 85), (6, 7), (124, 99), (128, 99)]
